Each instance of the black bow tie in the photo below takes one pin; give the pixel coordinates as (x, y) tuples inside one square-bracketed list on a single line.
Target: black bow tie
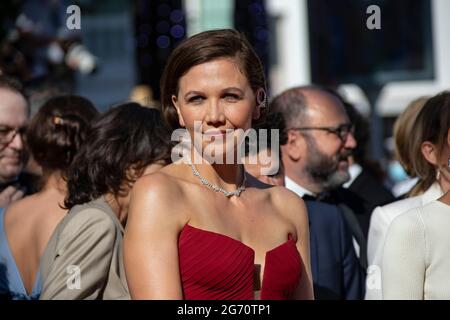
[(308, 197), (323, 197)]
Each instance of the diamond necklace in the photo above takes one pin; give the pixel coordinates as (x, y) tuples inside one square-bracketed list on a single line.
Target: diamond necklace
[(205, 182)]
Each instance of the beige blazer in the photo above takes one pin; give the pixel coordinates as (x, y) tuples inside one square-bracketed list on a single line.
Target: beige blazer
[(84, 257)]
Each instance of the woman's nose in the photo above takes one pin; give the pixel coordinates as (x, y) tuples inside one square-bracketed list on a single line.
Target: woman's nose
[(215, 113)]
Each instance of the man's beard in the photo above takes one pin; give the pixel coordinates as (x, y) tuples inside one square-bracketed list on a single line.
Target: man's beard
[(323, 169), (10, 172)]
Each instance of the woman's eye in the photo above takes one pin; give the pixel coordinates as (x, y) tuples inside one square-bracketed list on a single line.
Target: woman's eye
[(195, 99), (232, 97)]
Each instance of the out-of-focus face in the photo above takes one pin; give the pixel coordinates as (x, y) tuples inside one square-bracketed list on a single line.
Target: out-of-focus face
[(327, 155), (218, 96), (13, 116)]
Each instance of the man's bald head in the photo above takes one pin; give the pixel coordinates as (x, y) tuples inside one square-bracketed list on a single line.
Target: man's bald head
[(301, 105), (320, 137)]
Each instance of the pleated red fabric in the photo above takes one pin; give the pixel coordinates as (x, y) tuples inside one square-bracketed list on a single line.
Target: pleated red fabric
[(214, 266)]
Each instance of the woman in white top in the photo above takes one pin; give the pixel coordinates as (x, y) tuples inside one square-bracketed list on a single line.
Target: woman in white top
[(416, 256), (431, 186)]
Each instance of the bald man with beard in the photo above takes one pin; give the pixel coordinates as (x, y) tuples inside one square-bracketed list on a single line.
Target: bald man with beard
[(320, 141), (335, 268)]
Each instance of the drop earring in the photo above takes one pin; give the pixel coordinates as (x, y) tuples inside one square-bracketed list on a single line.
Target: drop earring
[(261, 98)]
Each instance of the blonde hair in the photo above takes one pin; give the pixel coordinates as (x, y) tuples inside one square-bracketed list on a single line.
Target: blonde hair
[(403, 128)]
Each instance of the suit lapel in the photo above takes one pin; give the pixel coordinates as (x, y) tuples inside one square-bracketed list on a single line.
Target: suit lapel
[(314, 254)]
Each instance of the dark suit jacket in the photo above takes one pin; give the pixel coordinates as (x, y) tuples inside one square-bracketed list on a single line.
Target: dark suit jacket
[(363, 196), (358, 201), (335, 268)]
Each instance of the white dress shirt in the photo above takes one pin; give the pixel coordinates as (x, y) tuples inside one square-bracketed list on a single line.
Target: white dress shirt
[(300, 191), (354, 170), (295, 187)]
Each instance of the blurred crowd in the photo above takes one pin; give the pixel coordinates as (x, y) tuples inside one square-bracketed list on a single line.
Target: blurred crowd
[(67, 175)]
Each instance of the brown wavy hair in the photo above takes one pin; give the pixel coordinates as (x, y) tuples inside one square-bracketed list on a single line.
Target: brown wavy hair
[(57, 131), (127, 136), (431, 125)]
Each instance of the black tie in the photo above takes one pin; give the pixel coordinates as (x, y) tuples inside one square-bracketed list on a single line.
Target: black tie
[(308, 197)]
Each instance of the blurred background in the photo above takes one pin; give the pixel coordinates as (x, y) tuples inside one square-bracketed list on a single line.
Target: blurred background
[(121, 47)]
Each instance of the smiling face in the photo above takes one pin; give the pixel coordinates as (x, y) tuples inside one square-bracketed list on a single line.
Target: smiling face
[(327, 155), (13, 115), (218, 96)]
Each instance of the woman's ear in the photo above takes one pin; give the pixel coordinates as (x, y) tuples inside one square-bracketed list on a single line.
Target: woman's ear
[(177, 107), (261, 100), (429, 152)]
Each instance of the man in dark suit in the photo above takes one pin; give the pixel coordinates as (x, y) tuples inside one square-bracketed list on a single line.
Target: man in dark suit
[(365, 190), (363, 195), (317, 150), (334, 265), (335, 268)]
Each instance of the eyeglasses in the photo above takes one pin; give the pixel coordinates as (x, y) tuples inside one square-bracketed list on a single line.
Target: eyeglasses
[(342, 131), (7, 134)]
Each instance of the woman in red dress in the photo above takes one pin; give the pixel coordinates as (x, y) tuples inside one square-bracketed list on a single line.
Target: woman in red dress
[(207, 229)]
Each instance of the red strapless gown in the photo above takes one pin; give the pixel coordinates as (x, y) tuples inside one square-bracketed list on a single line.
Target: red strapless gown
[(214, 266)]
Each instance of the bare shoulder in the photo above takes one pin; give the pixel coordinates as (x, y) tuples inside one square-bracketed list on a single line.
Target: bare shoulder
[(157, 187), (289, 204), (22, 211), (33, 219), (279, 195), (286, 198), (159, 182), (161, 185), (159, 194)]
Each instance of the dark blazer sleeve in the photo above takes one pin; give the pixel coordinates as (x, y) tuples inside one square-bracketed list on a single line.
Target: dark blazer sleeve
[(335, 268), (352, 275)]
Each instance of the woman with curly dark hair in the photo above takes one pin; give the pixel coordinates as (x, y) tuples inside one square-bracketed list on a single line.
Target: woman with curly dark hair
[(85, 251), (54, 136)]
